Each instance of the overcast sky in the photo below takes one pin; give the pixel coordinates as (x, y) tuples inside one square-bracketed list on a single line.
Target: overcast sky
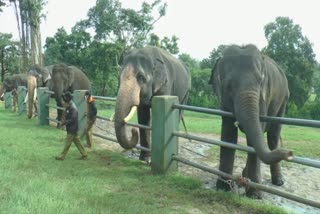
[(200, 25)]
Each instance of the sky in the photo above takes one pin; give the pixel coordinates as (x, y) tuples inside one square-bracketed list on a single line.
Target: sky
[(200, 25)]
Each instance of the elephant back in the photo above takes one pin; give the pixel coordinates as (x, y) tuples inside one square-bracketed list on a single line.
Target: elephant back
[(69, 78), (80, 80)]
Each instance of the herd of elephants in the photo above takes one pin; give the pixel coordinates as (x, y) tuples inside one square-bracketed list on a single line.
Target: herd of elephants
[(246, 82)]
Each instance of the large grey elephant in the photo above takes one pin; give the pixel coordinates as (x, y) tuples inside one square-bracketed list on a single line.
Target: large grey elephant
[(11, 83), (63, 78), (38, 77), (250, 84), (145, 73)]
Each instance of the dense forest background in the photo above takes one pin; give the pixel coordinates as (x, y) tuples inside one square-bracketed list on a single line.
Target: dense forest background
[(98, 43)]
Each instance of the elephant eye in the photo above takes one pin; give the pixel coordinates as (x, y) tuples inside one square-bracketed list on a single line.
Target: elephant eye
[(141, 77)]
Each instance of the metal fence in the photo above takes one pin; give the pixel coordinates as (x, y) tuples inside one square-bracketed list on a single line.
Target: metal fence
[(165, 134)]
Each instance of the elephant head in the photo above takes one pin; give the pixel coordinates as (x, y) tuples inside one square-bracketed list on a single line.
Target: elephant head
[(67, 78), (249, 84), (145, 73), (38, 77)]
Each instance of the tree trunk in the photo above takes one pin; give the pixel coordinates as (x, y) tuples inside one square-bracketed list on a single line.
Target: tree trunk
[(23, 38)]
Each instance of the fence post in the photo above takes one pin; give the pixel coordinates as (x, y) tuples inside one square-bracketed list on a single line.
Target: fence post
[(43, 109), (22, 92), (165, 120), (8, 100), (80, 102)]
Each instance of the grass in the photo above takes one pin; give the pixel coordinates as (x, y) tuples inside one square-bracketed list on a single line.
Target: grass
[(31, 181)]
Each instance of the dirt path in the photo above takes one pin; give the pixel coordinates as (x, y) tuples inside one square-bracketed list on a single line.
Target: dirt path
[(300, 180)]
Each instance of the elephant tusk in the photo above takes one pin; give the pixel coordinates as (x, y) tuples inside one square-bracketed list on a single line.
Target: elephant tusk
[(131, 113), (112, 117), (35, 94), (236, 124)]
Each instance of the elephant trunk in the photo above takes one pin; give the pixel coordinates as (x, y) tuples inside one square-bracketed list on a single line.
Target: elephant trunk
[(32, 85), (247, 115), (128, 97)]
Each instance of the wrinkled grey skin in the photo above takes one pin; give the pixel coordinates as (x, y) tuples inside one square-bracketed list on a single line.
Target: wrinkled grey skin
[(12, 82), (67, 78), (250, 84), (60, 78), (43, 79), (145, 73)]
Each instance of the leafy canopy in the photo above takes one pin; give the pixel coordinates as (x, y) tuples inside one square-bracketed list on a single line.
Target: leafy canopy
[(294, 53)]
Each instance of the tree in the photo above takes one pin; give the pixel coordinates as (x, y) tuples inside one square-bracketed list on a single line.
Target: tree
[(170, 45), (201, 92), (293, 51), (214, 55), (112, 23), (28, 15), (9, 51)]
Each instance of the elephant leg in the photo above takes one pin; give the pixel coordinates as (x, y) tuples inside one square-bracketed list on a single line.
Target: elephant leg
[(273, 142), (253, 172), (144, 119), (273, 137), (229, 133)]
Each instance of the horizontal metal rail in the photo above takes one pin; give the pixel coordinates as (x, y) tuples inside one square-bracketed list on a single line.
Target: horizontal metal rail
[(249, 183), (299, 160), (105, 98), (55, 107), (105, 137), (283, 120), (139, 125), (53, 120), (49, 92), (104, 118), (115, 141), (128, 123)]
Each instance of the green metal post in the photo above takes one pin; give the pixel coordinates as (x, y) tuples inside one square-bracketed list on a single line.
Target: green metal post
[(22, 92), (8, 100), (165, 120), (43, 109), (80, 102)]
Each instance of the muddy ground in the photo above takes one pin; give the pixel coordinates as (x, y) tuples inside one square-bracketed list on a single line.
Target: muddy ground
[(300, 180)]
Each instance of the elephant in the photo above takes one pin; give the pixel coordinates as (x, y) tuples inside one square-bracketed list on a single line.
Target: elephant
[(37, 77), (146, 72), (11, 83), (61, 79), (248, 84)]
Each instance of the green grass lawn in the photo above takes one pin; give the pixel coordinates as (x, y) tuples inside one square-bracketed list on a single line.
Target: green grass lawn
[(31, 181)]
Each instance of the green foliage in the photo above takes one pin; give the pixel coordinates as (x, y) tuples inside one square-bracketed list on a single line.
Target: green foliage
[(293, 51), (9, 59), (113, 23), (214, 55), (117, 30), (170, 45), (201, 92)]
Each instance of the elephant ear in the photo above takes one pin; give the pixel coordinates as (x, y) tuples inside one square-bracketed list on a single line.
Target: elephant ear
[(45, 75), (160, 75), (215, 79), (70, 74)]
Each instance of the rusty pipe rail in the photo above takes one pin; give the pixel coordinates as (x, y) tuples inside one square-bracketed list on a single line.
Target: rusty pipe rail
[(247, 182), (299, 160), (283, 120)]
